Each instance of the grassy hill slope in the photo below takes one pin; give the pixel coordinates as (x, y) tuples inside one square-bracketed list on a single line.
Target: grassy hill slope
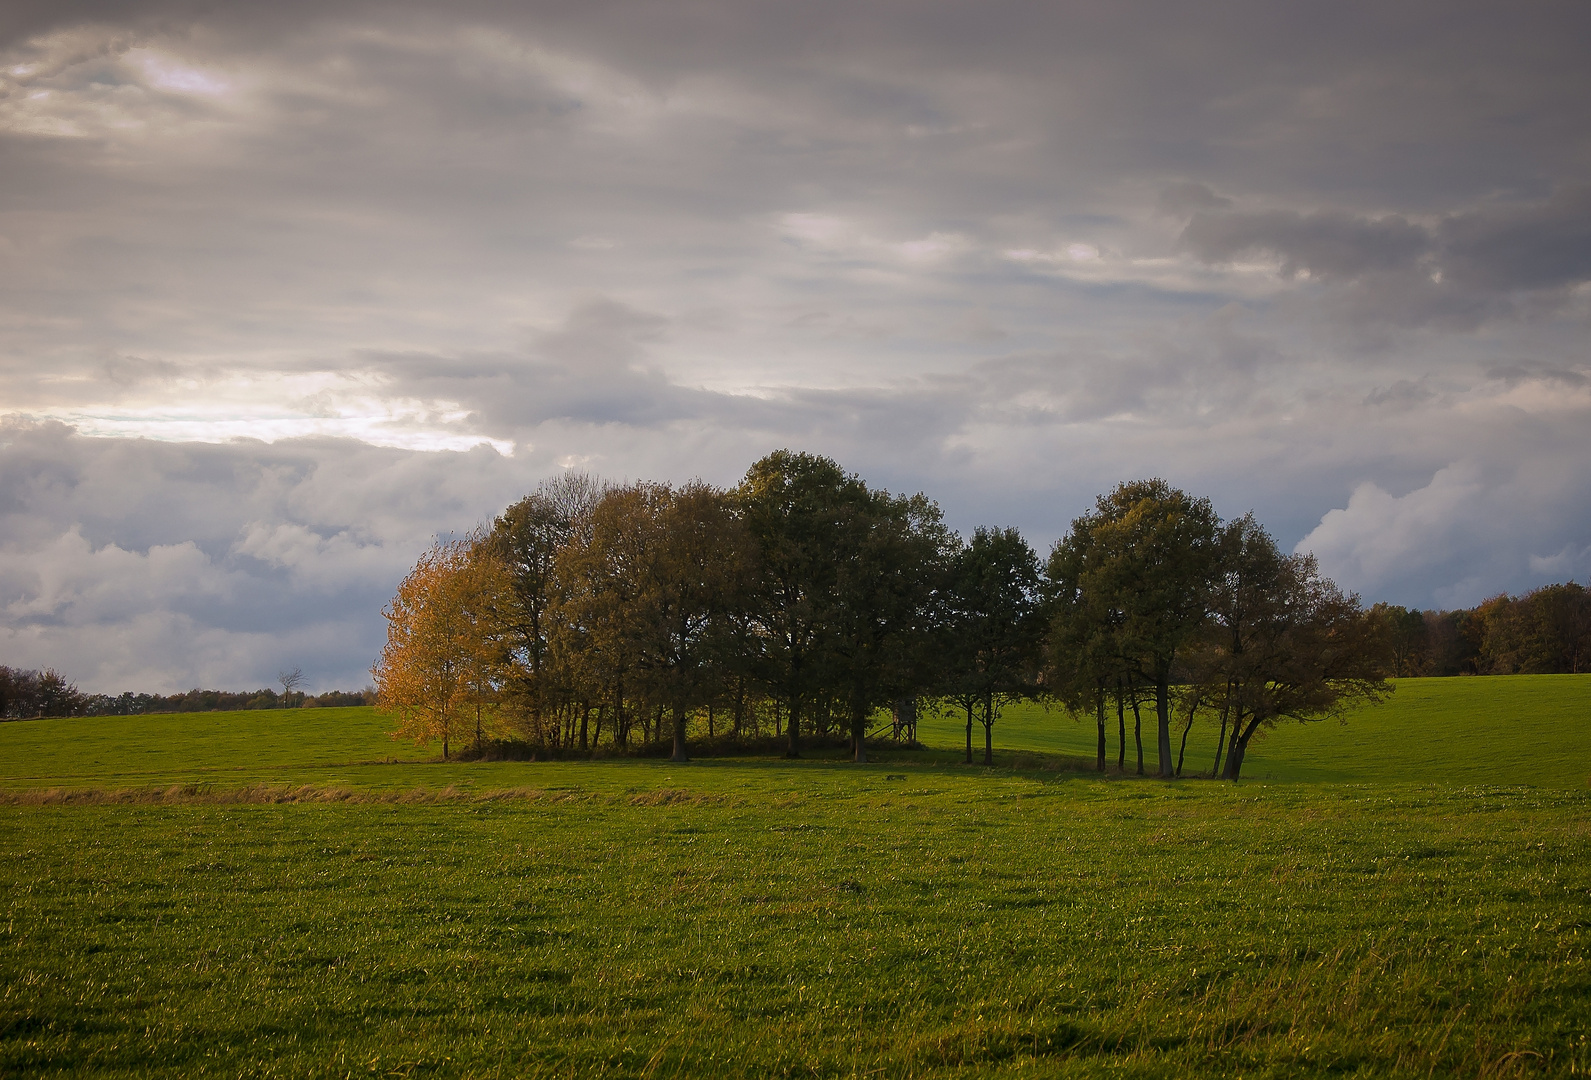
[(1504, 729), (1516, 730)]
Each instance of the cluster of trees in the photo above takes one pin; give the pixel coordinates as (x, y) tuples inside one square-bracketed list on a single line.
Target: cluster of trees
[(1546, 631), (1155, 602), (804, 602), (25, 694)]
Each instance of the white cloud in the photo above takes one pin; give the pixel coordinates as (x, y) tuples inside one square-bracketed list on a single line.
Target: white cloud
[(1378, 537), (1457, 539)]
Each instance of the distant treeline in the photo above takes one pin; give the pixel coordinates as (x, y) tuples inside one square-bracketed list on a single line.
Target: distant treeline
[(26, 693), (1546, 631)]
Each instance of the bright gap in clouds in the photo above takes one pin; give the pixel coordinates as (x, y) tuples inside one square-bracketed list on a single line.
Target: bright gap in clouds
[(389, 429)]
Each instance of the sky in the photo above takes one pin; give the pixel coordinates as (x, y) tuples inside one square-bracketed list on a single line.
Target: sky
[(287, 290)]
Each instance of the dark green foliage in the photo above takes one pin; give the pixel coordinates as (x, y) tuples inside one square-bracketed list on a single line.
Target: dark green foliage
[(1282, 644), (1132, 580), (803, 513), (992, 630)]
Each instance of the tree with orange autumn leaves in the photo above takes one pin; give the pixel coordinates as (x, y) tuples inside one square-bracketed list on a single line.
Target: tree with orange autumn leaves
[(438, 674)]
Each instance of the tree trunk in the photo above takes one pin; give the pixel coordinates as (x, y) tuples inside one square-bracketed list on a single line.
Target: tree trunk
[(1220, 744), (740, 706), (1099, 710), (859, 735), (1234, 762), (1137, 726), (792, 730), (444, 746), (585, 725), (1163, 726), (1183, 750), (988, 730), (680, 716), (969, 733), (1121, 730), (596, 733), (1239, 749), (710, 732)]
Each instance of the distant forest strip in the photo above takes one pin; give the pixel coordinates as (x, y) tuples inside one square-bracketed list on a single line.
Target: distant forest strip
[(28, 694), (804, 604), (1547, 631)]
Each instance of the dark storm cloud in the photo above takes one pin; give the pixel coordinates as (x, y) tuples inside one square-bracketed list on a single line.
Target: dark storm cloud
[(1461, 269), (1544, 245), (1331, 245), (1328, 262)]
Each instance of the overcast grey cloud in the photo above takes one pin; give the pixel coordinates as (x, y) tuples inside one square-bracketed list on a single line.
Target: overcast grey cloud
[(287, 290)]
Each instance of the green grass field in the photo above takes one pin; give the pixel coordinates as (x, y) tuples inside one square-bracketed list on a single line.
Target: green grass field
[(1503, 729), (1422, 909)]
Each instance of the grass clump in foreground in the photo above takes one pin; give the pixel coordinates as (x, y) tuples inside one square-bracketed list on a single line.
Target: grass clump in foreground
[(812, 920)]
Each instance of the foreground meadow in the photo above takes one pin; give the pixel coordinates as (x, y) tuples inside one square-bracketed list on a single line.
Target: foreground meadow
[(399, 916)]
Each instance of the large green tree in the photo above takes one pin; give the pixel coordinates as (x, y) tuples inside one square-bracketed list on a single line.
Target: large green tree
[(890, 569), (1143, 561), (527, 538), (1284, 643), (800, 510), (993, 628)]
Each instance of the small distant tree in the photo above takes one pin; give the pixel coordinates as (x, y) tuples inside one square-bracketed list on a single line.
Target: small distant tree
[(26, 693), (645, 593), (1083, 661), (1143, 559), (291, 680), (527, 539), (891, 562)]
